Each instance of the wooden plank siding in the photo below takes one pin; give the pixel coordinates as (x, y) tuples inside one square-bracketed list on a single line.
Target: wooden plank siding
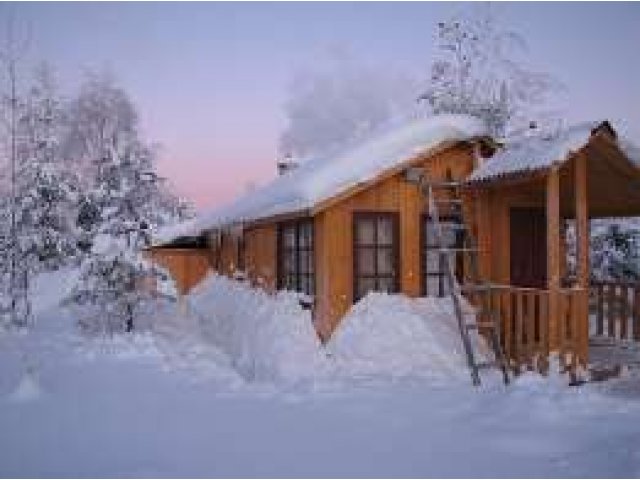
[(334, 234), (261, 245), (187, 266)]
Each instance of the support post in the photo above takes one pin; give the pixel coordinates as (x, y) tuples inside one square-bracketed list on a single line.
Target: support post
[(553, 257), (582, 244)]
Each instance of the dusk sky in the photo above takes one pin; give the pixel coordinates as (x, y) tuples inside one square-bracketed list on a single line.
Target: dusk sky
[(210, 79)]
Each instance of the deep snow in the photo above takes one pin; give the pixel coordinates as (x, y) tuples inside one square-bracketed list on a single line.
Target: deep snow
[(171, 402)]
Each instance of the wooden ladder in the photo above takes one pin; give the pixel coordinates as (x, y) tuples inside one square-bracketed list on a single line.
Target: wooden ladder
[(485, 317)]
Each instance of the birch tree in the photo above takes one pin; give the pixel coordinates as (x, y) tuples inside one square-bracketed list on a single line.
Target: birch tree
[(11, 55), (478, 70), (124, 200)]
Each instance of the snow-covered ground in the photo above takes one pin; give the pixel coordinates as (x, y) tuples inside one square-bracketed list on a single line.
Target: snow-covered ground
[(195, 397)]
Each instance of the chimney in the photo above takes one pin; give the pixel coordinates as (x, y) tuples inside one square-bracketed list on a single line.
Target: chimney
[(286, 164)]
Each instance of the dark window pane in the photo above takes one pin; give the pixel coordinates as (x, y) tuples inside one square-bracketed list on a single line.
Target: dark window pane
[(385, 261), (432, 285), (386, 284), (365, 285), (432, 261), (375, 250), (365, 231), (385, 231), (448, 237), (296, 262), (310, 261), (289, 261), (429, 236), (289, 236), (445, 286), (366, 261), (304, 235), (304, 262)]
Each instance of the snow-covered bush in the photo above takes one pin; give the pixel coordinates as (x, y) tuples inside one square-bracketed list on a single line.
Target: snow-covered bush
[(116, 287)]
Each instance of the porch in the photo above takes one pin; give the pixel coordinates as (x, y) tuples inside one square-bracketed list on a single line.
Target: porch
[(520, 216)]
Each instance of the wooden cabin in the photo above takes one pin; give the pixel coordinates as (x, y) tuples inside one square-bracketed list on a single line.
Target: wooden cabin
[(334, 229)]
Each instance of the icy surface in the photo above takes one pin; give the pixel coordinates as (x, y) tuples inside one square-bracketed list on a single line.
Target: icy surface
[(320, 178), (170, 403)]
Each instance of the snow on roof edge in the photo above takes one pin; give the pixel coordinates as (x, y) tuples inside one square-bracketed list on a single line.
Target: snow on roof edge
[(321, 178), (533, 153)]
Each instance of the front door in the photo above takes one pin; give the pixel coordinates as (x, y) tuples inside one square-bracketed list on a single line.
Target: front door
[(528, 247)]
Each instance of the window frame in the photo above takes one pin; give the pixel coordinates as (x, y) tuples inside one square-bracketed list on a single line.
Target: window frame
[(424, 249), (394, 216), (309, 250)]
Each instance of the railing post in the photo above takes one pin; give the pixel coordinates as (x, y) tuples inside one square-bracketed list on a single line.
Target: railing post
[(553, 257)]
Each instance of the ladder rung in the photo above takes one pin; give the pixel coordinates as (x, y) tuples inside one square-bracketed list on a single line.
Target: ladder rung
[(457, 250), (489, 364), (444, 184), (480, 325)]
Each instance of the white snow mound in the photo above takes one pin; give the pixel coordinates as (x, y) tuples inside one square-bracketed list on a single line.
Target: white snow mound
[(267, 337), (393, 335)]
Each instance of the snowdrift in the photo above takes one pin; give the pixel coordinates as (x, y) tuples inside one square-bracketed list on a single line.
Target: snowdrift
[(266, 337), (393, 335), (271, 338)]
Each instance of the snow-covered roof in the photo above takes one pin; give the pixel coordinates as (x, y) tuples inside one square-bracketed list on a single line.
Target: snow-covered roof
[(539, 151), (533, 152), (322, 178)]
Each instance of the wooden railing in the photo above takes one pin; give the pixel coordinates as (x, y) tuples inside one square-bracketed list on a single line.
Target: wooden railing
[(573, 327), (614, 308), (526, 328)]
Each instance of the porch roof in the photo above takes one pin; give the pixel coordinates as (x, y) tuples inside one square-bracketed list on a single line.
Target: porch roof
[(613, 168), (537, 152)]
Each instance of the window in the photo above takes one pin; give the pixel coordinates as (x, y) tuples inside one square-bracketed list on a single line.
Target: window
[(240, 252), (375, 253), (295, 256), (434, 281)]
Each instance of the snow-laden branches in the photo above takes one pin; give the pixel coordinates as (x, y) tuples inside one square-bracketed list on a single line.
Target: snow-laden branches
[(477, 71)]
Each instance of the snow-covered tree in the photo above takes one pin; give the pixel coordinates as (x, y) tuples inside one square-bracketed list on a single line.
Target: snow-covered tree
[(39, 191), (615, 250), (118, 210), (15, 271), (477, 71), (47, 187), (338, 101)]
